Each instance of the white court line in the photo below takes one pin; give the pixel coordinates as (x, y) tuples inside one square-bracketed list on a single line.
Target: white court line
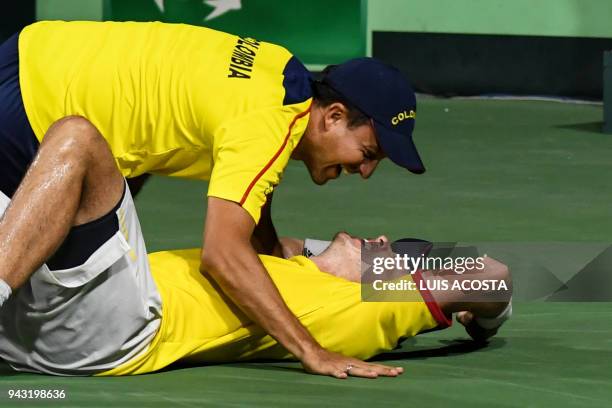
[(543, 389), (507, 329)]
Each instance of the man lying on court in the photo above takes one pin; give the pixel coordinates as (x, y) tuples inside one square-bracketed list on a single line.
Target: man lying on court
[(135, 320)]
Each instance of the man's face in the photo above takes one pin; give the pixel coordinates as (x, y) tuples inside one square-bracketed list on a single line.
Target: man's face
[(343, 256), (335, 146)]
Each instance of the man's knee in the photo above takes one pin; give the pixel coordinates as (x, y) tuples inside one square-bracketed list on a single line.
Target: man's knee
[(75, 136)]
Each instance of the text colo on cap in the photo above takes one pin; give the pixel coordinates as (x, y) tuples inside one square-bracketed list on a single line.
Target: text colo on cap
[(381, 92)]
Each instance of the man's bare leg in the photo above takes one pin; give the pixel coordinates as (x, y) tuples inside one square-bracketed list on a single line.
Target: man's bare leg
[(72, 180)]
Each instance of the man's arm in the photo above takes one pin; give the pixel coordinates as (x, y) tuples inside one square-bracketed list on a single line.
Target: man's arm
[(291, 246), (230, 259)]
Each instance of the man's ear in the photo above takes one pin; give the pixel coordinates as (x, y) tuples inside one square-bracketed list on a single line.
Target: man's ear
[(335, 113)]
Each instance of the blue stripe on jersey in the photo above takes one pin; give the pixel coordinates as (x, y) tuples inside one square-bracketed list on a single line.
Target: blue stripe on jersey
[(18, 144), (297, 82)]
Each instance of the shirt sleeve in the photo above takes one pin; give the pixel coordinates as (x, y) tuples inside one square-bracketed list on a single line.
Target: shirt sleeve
[(251, 153)]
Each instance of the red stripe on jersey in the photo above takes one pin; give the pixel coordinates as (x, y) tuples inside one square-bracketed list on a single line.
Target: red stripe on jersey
[(432, 305), (273, 159)]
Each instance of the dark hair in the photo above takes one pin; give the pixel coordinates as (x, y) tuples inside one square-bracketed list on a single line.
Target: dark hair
[(324, 95)]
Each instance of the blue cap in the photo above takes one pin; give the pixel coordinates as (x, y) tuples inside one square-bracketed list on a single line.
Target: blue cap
[(381, 92)]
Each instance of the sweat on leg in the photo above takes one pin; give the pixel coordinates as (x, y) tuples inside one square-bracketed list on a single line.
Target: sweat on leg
[(72, 180)]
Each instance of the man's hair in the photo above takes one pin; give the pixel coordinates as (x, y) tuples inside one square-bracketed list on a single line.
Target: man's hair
[(324, 95)]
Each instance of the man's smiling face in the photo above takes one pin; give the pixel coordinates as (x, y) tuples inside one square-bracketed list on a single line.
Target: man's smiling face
[(333, 145)]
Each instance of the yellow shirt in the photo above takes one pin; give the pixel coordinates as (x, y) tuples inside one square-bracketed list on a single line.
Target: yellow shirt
[(200, 324), (172, 99)]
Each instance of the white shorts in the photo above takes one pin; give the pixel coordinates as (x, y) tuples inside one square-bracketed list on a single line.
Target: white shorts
[(92, 306)]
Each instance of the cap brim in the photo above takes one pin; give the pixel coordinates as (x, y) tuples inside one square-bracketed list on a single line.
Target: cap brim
[(399, 148)]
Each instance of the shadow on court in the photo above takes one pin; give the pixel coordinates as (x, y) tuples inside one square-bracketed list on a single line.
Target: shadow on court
[(589, 127), (450, 348)]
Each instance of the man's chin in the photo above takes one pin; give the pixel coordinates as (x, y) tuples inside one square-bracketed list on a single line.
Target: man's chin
[(318, 180)]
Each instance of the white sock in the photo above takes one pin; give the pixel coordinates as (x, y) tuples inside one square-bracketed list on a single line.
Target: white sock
[(314, 247), (5, 292), (495, 322)]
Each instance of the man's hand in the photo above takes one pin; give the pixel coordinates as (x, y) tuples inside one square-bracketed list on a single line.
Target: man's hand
[(473, 329), (324, 362)]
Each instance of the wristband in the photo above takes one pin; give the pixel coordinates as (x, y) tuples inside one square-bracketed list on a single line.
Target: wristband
[(5, 292), (495, 322), (314, 247)]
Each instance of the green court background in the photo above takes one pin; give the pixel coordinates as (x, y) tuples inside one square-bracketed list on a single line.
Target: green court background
[(556, 18), (497, 171), (315, 33), (321, 33), (559, 18)]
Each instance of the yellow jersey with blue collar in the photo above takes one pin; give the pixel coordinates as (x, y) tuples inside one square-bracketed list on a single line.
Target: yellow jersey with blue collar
[(172, 99)]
